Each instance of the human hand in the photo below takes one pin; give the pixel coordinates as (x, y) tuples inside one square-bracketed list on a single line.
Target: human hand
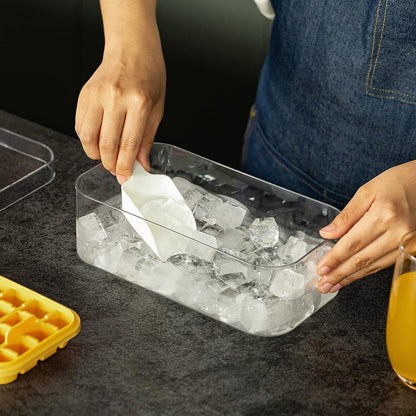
[(369, 228), (120, 107)]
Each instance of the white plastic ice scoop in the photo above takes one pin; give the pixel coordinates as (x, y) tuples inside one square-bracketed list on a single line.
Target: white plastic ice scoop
[(156, 198)]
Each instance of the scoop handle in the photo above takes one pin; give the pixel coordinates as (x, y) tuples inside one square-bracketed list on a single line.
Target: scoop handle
[(138, 169)]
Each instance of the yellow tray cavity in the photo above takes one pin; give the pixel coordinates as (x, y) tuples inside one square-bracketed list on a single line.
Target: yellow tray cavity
[(32, 327)]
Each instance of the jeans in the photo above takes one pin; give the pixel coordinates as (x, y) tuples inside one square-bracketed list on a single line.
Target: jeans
[(336, 99)]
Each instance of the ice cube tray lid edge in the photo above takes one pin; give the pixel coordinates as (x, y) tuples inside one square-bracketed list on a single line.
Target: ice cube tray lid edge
[(32, 167)]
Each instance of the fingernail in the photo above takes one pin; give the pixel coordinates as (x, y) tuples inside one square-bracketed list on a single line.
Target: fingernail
[(326, 287), (113, 173), (121, 179), (336, 288), (328, 228), (324, 270)]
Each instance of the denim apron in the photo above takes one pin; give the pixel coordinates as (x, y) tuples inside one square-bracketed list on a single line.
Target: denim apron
[(336, 100)]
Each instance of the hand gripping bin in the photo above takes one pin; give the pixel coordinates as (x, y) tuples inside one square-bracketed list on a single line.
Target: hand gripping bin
[(250, 264)]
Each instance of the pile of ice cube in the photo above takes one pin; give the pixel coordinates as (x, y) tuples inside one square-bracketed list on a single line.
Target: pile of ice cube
[(251, 273)]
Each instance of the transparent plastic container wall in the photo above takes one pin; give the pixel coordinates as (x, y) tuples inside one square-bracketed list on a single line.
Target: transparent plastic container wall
[(25, 166), (252, 262)]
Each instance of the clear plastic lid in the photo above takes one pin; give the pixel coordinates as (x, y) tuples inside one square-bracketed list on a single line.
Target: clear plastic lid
[(25, 166)]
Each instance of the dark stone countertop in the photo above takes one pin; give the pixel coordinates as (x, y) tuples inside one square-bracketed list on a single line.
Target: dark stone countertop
[(139, 353)]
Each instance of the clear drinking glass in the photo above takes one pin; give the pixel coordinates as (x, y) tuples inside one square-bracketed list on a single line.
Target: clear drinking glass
[(401, 316)]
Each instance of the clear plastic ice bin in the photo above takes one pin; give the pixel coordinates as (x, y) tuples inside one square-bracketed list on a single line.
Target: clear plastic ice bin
[(262, 284)]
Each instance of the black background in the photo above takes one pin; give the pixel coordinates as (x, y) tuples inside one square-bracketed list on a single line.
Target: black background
[(213, 54)]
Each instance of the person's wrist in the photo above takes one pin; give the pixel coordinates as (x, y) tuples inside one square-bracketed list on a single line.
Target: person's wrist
[(121, 52), (133, 46)]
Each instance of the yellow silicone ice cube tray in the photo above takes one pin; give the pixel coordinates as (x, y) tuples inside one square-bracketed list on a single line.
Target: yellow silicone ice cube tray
[(32, 327)]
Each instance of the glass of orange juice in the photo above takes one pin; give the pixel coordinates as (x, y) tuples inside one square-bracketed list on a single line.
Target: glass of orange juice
[(401, 315)]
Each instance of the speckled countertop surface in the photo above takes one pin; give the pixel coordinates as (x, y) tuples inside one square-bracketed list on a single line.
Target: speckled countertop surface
[(141, 354)]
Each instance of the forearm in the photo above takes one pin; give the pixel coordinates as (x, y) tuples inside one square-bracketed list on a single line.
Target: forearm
[(120, 107), (129, 27)]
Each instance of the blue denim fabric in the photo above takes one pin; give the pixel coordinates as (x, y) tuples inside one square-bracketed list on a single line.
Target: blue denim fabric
[(336, 100)]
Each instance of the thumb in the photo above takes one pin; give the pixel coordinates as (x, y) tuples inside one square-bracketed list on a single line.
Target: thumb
[(350, 215)]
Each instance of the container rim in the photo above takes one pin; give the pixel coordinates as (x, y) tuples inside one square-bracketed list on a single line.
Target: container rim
[(250, 176), (48, 163), (50, 152), (100, 166)]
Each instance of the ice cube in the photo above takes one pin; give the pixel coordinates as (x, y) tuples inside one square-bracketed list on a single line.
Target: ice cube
[(108, 256), (226, 265), (212, 230), (184, 186), (233, 280), (205, 209), (192, 197), (255, 317), (87, 250), (252, 290), (204, 247), (144, 275), (193, 266), (235, 239), (188, 289), (166, 277), (208, 299), (288, 284), (293, 250), (311, 276), (280, 314), (248, 217), (89, 228), (304, 306), (264, 232), (264, 257), (124, 234), (186, 261), (261, 275), (322, 249), (229, 309), (145, 263), (128, 262), (229, 215), (108, 216)]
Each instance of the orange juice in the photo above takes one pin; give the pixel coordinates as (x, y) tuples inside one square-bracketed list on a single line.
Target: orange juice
[(401, 326)]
